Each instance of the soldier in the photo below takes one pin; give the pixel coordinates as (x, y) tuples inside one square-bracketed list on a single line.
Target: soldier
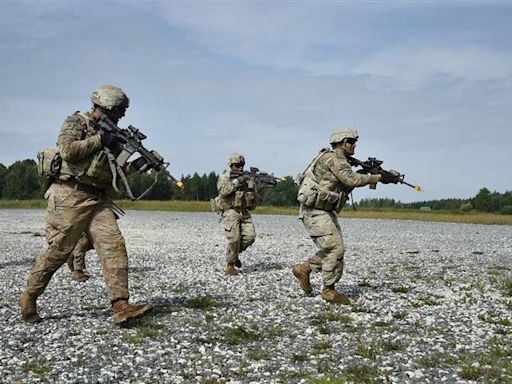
[(79, 201), (76, 261), (237, 197), (323, 191)]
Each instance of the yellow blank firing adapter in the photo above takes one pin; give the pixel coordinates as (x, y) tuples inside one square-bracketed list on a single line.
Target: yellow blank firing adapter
[(180, 184), (417, 188)]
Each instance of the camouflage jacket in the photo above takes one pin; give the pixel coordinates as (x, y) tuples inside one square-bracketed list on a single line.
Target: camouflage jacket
[(83, 157), (327, 184), (235, 197)]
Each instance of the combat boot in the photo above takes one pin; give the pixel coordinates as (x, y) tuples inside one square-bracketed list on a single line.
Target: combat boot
[(80, 276), (29, 308), (331, 295), (302, 272), (231, 270), (238, 263), (124, 311)]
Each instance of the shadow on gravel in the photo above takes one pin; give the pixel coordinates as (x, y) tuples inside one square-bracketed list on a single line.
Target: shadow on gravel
[(140, 269), (164, 306), (87, 312), (264, 267), (17, 263)]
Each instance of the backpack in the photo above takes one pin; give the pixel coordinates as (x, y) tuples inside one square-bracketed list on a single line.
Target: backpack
[(48, 165)]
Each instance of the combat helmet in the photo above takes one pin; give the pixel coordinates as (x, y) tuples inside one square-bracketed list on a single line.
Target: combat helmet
[(110, 97), (341, 134), (236, 158)]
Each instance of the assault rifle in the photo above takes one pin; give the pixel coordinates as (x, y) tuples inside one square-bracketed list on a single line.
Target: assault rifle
[(130, 141), (261, 179), (373, 166)]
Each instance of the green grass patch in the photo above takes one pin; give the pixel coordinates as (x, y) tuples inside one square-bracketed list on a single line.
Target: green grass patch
[(258, 354), (142, 333), (299, 357), (437, 360), (204, 206), (322, 346), (361, 374), (400, 289), (204, 303), (239, 335), (506, 286), (391, 346), (369, 352), (38, 368), (470, 372), (327, 380)]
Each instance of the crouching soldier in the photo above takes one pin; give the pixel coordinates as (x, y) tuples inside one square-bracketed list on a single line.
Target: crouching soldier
[(323, 191)]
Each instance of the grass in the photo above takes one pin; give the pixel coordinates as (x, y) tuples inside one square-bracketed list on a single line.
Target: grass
[(400, 289), (144, 333), (204, 303), (204, 206), (327, 380), (361, 374), (322, 346), (239, 335), (38, 369), (506, 286), (437, 360)]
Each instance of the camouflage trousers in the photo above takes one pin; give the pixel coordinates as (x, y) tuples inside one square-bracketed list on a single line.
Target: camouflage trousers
[(240, 232), (77, 257), (324, 229), (70, 213)]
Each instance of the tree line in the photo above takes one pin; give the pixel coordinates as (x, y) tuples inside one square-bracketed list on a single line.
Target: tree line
[(483, 201), (20, 181)]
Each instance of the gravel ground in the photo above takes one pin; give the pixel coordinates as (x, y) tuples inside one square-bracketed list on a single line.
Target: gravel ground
[(432, 303)]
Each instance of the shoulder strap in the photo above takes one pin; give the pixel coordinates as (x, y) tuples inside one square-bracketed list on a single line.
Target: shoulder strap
[(309, 168)]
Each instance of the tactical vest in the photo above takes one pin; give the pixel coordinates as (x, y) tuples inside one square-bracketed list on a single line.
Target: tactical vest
[(240, 199), (311, 195), (93, 169)]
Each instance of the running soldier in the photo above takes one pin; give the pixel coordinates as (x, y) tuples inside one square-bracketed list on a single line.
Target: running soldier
[(323, 191), (79, 201)]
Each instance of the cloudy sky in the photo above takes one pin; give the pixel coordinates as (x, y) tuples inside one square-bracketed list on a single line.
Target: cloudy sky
[(427, 84)]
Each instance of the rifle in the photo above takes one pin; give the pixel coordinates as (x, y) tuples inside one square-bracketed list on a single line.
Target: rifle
[(260, 178), (373, 166), (130, 141)]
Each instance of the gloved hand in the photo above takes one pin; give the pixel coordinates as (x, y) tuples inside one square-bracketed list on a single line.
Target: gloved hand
[(108, 139), (390, 177), (239, 180)]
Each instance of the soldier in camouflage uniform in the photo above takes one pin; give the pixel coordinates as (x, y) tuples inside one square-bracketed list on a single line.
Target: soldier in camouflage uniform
[(323, 191), (80, 201), (76, 261), (237, 197)]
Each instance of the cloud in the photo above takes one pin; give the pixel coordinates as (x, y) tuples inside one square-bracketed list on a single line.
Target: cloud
[(408, 64)]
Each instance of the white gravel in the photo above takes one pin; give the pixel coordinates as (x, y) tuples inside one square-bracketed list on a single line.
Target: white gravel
[(429, 306)]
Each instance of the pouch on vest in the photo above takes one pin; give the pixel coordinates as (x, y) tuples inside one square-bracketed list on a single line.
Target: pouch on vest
[(49, 163), (216, 204), (99, 168), (250, 200), (327, 200), (308, 192)]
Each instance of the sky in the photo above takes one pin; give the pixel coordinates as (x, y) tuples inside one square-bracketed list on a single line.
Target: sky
[(427, 84)]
